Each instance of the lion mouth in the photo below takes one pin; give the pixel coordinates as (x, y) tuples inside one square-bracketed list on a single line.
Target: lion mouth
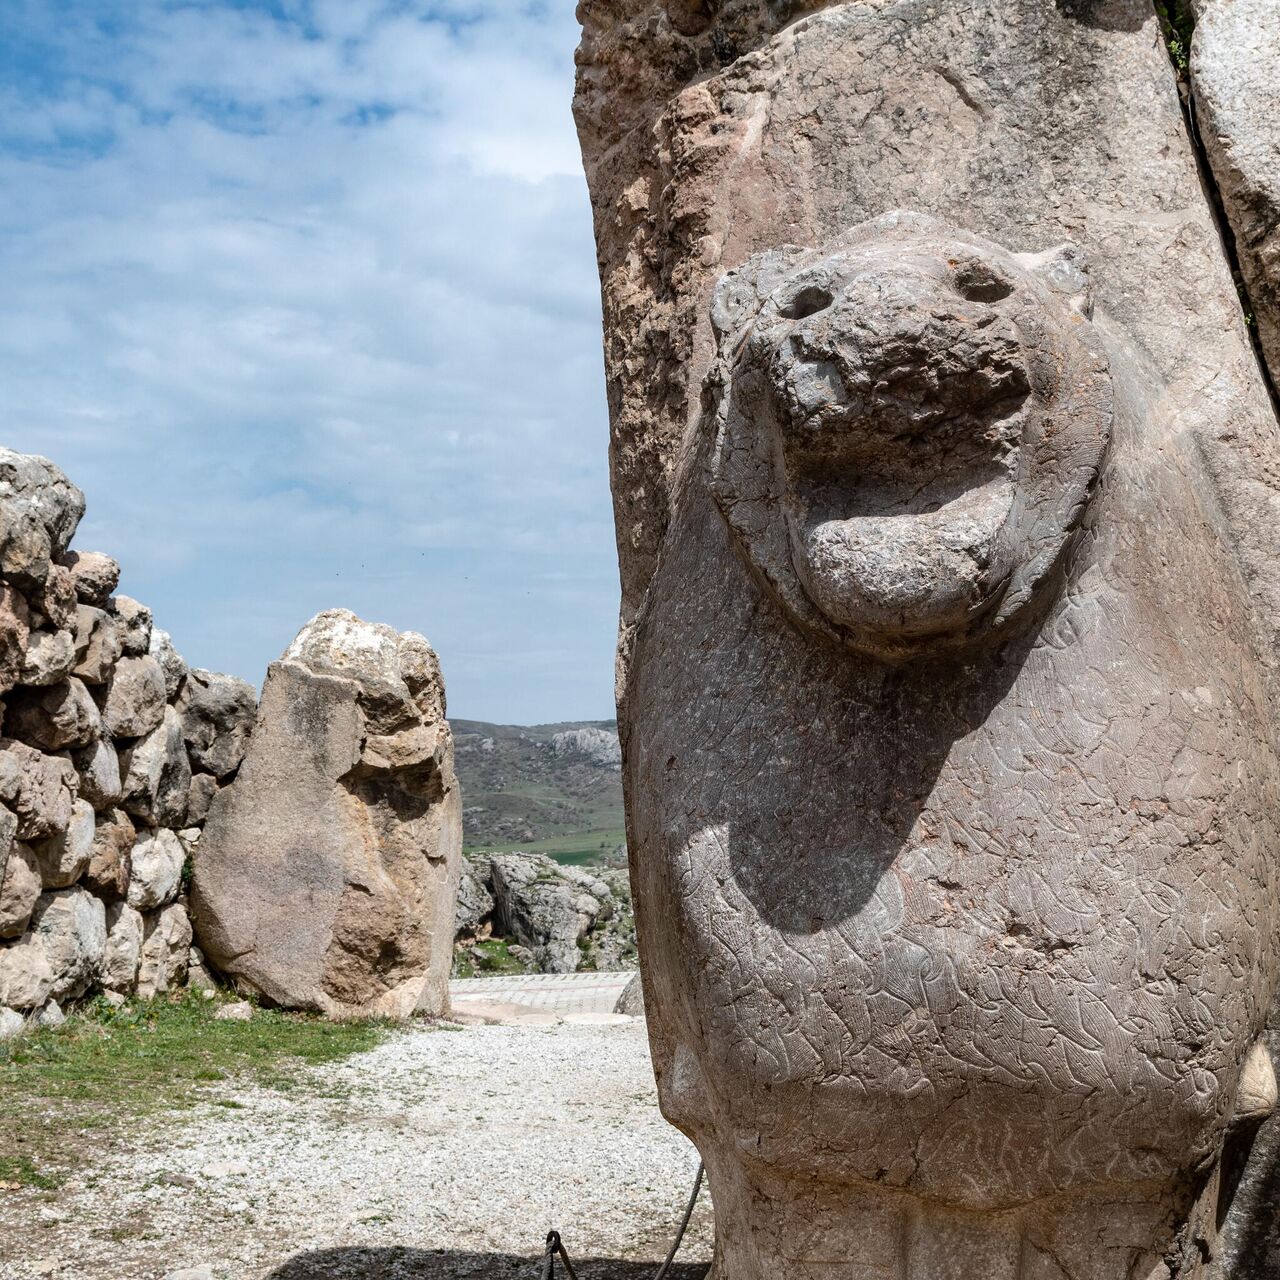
[(901, 472)]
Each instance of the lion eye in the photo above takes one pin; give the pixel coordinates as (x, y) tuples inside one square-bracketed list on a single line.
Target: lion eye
[(809, 301), (978, 282)]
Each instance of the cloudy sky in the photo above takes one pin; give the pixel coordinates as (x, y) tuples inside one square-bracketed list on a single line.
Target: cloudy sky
[(302, 294)]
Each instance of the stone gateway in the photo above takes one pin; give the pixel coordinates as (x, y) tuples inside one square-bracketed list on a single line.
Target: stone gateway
[(946, 505)]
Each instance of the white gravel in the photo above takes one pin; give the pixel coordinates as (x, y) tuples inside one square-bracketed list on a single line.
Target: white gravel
[(442, 1153)]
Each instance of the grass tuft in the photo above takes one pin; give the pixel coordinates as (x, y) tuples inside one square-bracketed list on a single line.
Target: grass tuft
[(67, 1094)]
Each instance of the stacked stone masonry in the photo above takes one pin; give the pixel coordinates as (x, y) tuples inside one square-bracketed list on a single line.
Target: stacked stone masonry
[(111, 752)]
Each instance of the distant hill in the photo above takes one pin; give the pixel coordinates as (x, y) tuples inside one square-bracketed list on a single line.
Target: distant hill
[(553, 788)]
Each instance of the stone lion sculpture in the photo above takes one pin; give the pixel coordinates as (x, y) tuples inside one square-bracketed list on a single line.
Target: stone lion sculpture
[(953, 791)]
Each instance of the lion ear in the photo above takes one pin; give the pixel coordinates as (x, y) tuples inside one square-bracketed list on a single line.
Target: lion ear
[(740, 293), (1065, 270)]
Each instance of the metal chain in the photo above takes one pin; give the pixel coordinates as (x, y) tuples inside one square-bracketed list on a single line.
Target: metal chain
[(555, 1246)]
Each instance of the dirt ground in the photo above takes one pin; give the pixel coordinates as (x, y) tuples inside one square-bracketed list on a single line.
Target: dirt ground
[(441, 1153)]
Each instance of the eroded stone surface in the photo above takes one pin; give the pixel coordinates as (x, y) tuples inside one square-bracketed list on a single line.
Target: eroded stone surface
[(1235, 75), (941, 842), (327, 873), (217, 719)]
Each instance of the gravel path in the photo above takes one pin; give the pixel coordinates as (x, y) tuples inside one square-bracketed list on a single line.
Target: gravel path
[(442, 1153)]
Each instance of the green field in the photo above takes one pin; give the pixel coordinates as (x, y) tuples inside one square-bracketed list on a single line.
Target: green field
[(518, 793)]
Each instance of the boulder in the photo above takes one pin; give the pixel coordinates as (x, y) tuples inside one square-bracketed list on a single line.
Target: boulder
[(38, 788), (97, 644), (93, 575), (15, 635), (135, 699), (64, 858), (60, 715), (134, 623), (546, 907), (55, 601), (199, 978), (71, 926), (170, 660), (51, 1017), (475, 902), (41, 511), (158, 859), (98, 767), (12, 1024), (26, 978), (111, 862), (166, 948), (157, 774), (123, 951), (20, 889), (204, 786), (50, 658), (328, 869), (631, 1001), (217, 718)]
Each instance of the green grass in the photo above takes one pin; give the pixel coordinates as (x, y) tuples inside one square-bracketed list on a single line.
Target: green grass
[(581, 848), (494, 958), (68, 1093)]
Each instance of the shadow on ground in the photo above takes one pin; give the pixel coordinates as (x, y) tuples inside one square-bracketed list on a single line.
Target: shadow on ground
[(445, 1264)]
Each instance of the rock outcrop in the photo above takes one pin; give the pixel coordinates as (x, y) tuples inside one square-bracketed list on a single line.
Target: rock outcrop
[(327, 874), (562, 918), (105, 746)]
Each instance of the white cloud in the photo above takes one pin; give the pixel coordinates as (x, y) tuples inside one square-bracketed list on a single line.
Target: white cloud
[(309, 310)]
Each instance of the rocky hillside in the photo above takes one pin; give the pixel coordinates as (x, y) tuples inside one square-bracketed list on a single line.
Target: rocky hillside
[(548, 788)]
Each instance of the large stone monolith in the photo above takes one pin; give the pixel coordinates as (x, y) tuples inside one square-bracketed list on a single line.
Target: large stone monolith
[(946, 512), (328, 870)]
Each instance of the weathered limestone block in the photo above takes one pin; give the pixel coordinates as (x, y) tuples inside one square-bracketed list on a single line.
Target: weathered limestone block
[(204, 786), (20, 889), (135, 698), (93, 575), (98, 767), (71, 928), (217, 717), (40, 789), (475, 903), (133, 620), (122, 954), (41, 511), (15, 634), (157, 774), (156, 869), (55, 600), (328, 869), (64, 858), (49, 659), (111, 861), (26, 977), (1235, 78), (951, 603), (98, 644), (166, 949), (54, 717), (170, 660)]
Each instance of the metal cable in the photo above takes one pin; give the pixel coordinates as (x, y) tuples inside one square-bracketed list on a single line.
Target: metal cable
[(555, 1246)]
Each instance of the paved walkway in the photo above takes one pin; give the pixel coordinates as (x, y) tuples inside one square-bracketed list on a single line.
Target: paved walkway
[(559, 993)]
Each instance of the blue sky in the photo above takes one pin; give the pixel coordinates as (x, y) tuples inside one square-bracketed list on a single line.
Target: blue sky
[(302, 293)]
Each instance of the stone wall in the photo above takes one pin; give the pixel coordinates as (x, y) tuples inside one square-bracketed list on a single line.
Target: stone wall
[(111, 751)]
